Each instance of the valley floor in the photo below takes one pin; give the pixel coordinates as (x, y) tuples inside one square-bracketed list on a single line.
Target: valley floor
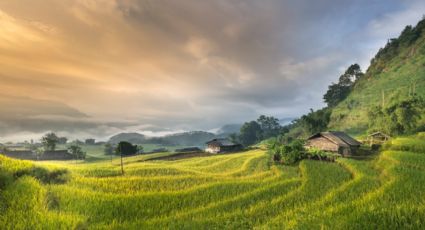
[(237, 191)]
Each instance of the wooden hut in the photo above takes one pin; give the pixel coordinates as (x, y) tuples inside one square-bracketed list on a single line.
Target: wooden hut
[(333, 141), (221, 145), (377, 138)]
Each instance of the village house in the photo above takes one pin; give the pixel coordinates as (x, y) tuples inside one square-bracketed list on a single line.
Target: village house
[(47, 155), (333, 141), (377, 138), (221, 145)]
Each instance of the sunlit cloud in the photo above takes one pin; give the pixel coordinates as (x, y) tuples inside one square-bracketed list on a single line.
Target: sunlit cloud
[(179, 65)]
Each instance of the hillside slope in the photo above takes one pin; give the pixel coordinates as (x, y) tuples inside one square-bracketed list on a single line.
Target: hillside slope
[(234, 191), (396, 72)]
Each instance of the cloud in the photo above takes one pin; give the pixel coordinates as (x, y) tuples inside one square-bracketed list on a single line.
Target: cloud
[(181, 65)]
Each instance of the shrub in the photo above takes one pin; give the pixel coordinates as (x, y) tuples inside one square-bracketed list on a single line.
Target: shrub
[(56, 176), (287, 154), (5, 179)]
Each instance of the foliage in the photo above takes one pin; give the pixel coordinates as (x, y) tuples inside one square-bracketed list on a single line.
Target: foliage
[(55, 176), (399, 118), (49, 141), (270, 126), (90, 141), (108, 149), (125, 148), (287, 154), (395, 74), (315, 121), (339, 91), (250, 133), (77, 151)]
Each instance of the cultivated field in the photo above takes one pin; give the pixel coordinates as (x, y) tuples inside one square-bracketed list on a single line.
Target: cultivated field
[(236, 191)]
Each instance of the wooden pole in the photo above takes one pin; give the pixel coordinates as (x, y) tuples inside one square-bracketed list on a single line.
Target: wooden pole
[(122, 167)]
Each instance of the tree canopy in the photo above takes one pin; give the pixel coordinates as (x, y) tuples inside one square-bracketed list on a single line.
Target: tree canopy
[(339, 91), (399, 118), (126, 148), (50, 141)]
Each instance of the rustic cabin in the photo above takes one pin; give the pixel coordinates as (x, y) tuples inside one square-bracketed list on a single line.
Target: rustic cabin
[(56, 155), (188, 150), (377, 138), (47, 155), (222, 145), (333, 141), (20, 154)]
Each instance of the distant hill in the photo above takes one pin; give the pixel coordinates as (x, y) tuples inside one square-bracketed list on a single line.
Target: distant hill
[(397, 71), (228, 129), (134, 138), (193, 138)]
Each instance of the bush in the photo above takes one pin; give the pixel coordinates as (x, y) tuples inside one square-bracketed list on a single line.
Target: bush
[(287, 154), (5, 179), (56, 176)]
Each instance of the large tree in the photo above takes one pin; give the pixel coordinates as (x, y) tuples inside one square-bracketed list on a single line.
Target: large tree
[(339, 91), (250, 133), (50, 141), (126, 148), (315, 121), (270, 126), (77, 151)]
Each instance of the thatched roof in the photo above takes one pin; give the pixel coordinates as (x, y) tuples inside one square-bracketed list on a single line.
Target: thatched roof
[(221, 142), (339, 138), (378, 134)]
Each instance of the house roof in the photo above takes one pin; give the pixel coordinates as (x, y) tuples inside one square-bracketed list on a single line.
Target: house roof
[(221, 142), (378, 134), (339, 138)]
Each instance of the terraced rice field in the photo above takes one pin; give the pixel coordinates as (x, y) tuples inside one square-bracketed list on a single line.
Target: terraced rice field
[(237, 191)]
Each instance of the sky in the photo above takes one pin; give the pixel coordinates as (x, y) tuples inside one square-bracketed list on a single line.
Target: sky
[(94, 68)]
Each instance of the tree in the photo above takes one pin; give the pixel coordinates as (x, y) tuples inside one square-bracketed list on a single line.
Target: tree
[(399, 118), (126, 148), (250, 133), (234, 137), (315, 121), (90, 141), (109, 149), (140, 149), (62, 140), (39, 152), (49, 141), (270, 126), (77, 151), (339, 91)]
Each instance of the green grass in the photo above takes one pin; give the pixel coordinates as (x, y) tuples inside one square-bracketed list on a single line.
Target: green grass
[(235, 191), (396, 81)]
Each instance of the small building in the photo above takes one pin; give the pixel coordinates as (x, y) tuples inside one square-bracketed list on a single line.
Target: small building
[(377, 138), (56, 155), (333, 141), (47, 155), (188, 150), (222, 145), (20, 154)]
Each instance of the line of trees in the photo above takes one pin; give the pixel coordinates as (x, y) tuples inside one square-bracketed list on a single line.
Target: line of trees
[(398, 118), (253, 132)]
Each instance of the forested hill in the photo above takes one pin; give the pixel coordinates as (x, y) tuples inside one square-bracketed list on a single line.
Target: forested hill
[(396, 73)]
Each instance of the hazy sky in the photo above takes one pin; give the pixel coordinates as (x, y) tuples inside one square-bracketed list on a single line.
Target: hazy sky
[(97, 67)]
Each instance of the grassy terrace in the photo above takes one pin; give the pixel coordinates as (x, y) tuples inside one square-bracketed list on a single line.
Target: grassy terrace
[(236, 191)]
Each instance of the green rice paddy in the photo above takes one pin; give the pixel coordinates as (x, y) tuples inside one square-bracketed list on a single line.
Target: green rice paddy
[(236, 191)]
